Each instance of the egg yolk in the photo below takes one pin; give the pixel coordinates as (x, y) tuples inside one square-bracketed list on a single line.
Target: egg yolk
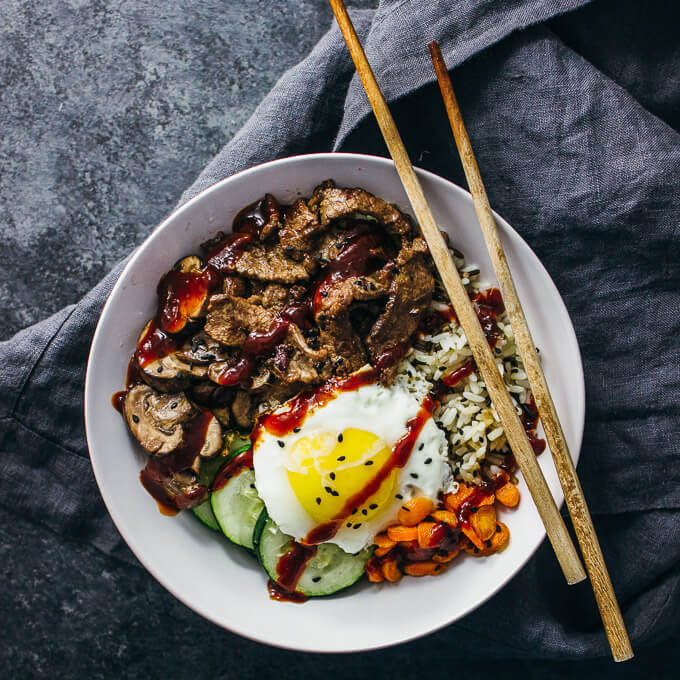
[(325, 470)]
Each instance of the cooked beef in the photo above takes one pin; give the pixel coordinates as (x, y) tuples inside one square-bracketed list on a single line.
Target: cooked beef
[(294, 361), (234, 286), (300, 225), (409, 296), (231, 318), (331, 203), (272, 296), (345, 350), (261, 218), (242, 410), (269, 263)]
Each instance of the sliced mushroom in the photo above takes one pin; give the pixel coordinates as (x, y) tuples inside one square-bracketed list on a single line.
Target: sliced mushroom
[(213, 439), (156, 420), (202, 349), (242, 411)]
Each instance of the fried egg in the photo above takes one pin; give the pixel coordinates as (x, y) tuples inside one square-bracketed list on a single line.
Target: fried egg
[(316, 473)]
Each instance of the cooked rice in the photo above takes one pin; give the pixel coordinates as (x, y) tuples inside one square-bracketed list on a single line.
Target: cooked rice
[(472, 426)]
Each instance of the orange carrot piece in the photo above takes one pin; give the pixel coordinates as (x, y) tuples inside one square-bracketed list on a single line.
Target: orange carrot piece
[(446, 557), (374, 571), (453, 501), (484, 522), (414, 511), (401, 533), (446, 517), (500, 538), (381, 552), (391, 571), (508, 494), (476, 541), (431, 534), (384, 541), (428, 568)]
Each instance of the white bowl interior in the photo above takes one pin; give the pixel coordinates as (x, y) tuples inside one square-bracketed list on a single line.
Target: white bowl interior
[(222, 582)]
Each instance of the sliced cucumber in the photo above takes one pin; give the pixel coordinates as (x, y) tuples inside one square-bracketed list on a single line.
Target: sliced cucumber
[(209, 469), (259, 526), (331, 569), (237, 508)]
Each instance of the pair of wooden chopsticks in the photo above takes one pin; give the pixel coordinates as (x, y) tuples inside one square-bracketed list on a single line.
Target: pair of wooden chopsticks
[(526, 459)]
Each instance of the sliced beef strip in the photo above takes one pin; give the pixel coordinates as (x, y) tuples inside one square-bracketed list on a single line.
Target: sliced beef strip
[(231, 318), (272, 296), (269, 263), (409, 296), (342, 294), (331, 203), (242, 410), (294, 361), (234, 286), (346, 352), (300, 226)]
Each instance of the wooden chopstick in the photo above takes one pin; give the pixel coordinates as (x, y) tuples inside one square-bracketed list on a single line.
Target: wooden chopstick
[(514, 431), (573, 493)]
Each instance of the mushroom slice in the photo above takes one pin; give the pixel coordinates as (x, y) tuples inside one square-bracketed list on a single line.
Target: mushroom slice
[(242, 411), (183, 293), (202, 349), (156, 420), (213, 439), (170, 373)]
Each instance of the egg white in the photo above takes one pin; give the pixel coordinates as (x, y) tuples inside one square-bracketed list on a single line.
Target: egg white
[(374, 408)]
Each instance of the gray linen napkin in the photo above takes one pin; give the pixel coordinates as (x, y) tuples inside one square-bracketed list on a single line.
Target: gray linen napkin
[(582, 170)]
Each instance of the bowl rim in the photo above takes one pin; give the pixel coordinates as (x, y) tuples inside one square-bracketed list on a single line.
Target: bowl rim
[(137, 254)]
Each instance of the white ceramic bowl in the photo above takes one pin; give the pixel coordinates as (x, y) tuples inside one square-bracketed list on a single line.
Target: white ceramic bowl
[(222, 582)]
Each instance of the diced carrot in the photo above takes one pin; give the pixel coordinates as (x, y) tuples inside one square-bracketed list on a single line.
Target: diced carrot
[(472, 536), (401, 533), (383, 541), (484, 522), (381, 552), (453, 501), (374, 571), (391, 571), (431, 534), (445, 517), (414, 511), (445, 556), (500, 538), (487, 500), (508, 494), (423, 568)]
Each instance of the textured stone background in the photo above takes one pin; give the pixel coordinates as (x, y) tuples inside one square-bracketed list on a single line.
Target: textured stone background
[(108, 110)]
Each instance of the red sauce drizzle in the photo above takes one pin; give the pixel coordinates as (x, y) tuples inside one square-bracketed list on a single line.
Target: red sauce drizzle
[(253, 217), (181, 295), (358, 257), (484, 490), (489, 306), (229, 249), (282, 423), (289, 569), (155, 344), (459, 374), (398, 458), (118, 400), (390, 356), (244, 461), (157, 470), (529, 419), (436, 319)]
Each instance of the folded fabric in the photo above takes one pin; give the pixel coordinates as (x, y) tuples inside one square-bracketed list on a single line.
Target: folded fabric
[(582, 170)]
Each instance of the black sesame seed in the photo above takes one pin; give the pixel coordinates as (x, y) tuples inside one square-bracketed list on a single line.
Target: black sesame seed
[(280, 443), (399, 496), (341, 458), (332, 475), (442, 368), (414, 475), (368, 462), (473, 510), (498, 528), (438, 567), (296, 429), (488, 544), (364, 512), (428, 461), (354, 512), (373, 506), (316, 579), (252, 486), (335, 493), (318, 501), (403, 507), (322, 317), (421, 447), (324, 293), (173, 405), (340, 437), (159, 369), (328, 489), (356, 526), (135, 418), (476, 550), (349, 524)]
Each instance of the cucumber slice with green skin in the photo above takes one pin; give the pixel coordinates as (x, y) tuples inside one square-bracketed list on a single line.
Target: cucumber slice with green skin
[(329, 570), (257, 531), (209, 469), (237, 508)]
